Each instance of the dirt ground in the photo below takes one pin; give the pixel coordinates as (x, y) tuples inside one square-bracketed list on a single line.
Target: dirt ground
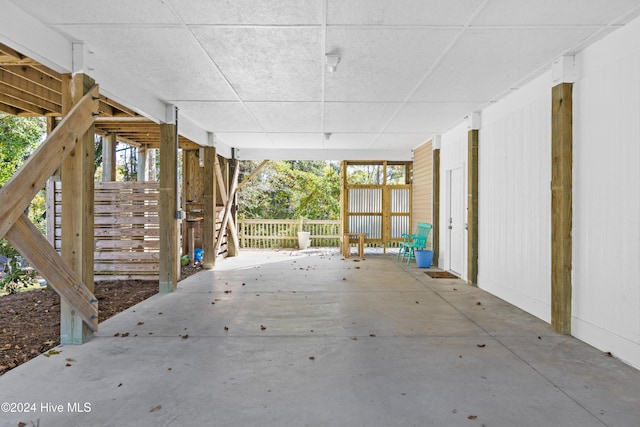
[(30, 321)]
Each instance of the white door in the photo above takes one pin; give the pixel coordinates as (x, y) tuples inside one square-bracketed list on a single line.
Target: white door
[(456, 221)]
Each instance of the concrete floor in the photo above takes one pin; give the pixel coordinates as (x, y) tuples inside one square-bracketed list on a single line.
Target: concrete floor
[(315, 340)]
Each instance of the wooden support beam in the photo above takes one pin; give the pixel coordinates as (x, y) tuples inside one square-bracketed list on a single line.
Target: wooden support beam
[(28, 240), (77, 176), (209, 208), (233, 231), (16, 194), (142, 163), (109, 158), (561, 207), (227, 209), (169, 253), (436, 206), (472, 208)]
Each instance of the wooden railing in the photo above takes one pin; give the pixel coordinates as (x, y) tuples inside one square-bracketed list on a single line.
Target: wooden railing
[(283, 233)]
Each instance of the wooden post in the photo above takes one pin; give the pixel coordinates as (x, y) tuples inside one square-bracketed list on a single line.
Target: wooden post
[(227, 209), (77, 211), (109, 158), (142, 163), (209, 209), (169, 259), (472, 208), (435, 231), (561, 207), (344, 220)]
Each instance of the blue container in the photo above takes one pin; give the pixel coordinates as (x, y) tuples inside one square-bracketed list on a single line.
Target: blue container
[(424, 258), (197, 254)]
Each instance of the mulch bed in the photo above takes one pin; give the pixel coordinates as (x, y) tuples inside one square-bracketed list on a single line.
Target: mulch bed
[(440, 275), (30, 321)]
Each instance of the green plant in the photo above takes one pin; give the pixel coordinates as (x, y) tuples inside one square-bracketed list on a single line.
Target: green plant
[(15, 277)]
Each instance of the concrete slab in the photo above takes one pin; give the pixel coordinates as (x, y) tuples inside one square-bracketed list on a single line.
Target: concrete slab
[(305, 347)]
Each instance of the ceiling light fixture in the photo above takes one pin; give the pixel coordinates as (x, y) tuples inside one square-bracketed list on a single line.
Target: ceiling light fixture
[(332, 62)]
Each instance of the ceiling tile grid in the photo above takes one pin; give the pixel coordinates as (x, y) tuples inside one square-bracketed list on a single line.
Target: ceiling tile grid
[(254, 73)]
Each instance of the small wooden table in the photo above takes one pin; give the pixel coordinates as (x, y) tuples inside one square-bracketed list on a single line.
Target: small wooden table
[(346, 241)]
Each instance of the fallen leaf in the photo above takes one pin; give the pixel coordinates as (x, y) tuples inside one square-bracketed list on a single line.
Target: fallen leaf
[(354, 338), (6, 347), (156, 409), (68, 364), (226, 328), (140, 323), (417, 302), (120, 385), (126, 334), (608, 354), (21, 424), (472, 417), (478, 303), (51, 353), (482, 345), (68, 359), (312, 358), (372, 335), (262, 327), (184, 337), (227, 292), (117, 334)]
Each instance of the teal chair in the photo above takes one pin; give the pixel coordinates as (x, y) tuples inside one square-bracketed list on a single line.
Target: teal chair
[(411, 242)]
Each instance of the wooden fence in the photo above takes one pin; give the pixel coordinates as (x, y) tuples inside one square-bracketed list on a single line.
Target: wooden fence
[(127, 229), (283, 233)]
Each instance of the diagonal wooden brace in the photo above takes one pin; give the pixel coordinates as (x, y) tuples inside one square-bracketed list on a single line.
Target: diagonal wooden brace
[(227, 218), (16, 195), (28, 240), (223, 195)]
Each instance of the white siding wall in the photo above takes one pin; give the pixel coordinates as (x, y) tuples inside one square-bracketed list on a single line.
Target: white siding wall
[(453, 154), (606, 197), (514, 262)]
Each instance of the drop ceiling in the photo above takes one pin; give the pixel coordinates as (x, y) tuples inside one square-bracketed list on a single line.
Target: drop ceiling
[(252, 72)]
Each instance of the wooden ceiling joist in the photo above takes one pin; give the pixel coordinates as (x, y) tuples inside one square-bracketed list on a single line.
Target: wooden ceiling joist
[(28, 88)]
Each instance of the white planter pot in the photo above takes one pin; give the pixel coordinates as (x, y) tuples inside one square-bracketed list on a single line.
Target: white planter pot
[(304, 237)]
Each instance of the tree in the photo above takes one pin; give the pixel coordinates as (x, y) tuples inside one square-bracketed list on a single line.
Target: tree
[(19, 137), (291, 190)]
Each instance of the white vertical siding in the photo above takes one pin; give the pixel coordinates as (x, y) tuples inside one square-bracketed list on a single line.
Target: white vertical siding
[(514, 262), (453, 153), (606, 196)]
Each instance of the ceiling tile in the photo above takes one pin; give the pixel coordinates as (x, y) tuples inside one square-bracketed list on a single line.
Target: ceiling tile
[(400, 12), (267, 64), (485, 63), (288, 116), (250, 12), (429, 117), (400, 141), (553, 12), (101, 12), (382, 65), (357, 116), (348, 141), (167, 62), (245, 140), (219, 116), (284, 141)]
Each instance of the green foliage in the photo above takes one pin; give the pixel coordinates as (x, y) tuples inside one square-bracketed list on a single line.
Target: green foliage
[(14, 277), (291, 190), (19, 136)]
